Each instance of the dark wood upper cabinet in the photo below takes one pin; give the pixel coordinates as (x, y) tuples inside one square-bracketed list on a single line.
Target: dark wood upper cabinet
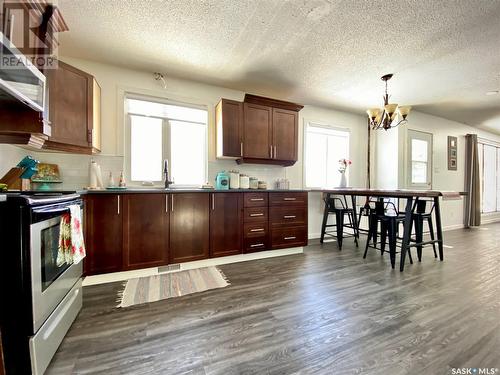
[(145, 230), (74, 110), (257, 131), (189, 227), (225, 223), (229, 128), (103, 233), (285, 134)]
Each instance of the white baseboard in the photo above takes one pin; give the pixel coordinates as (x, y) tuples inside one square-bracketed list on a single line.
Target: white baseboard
[(489, 219), (125, 275)]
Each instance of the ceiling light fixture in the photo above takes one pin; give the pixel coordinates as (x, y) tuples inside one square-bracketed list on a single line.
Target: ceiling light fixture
[(391, 115), (494, 92)]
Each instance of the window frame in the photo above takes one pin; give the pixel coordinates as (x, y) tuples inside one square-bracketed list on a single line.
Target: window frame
[(423, 136), (481, 143), (307, 125), (166, 137)]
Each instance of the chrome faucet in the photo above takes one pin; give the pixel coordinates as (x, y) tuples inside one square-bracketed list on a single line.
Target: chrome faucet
[(165, 173)]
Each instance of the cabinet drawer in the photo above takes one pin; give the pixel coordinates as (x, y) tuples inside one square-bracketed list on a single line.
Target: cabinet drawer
[(288, 216), (255, 214), (288, 199), (288, 237), (255, 229), (257, 243), (255, 199)]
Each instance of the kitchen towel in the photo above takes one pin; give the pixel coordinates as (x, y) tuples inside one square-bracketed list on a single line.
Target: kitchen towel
[(71, 245)]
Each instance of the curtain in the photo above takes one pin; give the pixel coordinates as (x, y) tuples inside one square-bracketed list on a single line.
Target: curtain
[(472, 214)]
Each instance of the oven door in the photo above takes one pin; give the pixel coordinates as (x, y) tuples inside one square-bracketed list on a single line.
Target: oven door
[(50, 282)]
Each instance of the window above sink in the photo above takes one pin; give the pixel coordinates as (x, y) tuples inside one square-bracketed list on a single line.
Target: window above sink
[(157, 130)]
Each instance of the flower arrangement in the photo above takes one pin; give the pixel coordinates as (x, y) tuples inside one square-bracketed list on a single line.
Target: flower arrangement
[(343, 164)]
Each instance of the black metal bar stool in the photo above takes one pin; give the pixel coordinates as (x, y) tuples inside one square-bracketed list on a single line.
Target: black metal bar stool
[(340, 208), (418, 219), (389, 224)]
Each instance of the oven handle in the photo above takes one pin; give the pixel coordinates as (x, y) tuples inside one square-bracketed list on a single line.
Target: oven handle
[(57, 209), (52, 210)]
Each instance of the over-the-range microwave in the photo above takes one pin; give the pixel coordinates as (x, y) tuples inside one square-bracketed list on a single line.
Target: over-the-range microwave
[(20, 80)]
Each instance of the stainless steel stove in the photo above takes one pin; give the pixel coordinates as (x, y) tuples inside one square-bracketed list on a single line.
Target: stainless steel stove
[(41, 297)]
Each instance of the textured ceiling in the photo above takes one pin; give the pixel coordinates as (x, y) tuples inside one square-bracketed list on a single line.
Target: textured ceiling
[(445, 54)]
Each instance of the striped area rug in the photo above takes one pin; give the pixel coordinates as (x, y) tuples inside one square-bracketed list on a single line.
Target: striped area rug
[(169, 285)]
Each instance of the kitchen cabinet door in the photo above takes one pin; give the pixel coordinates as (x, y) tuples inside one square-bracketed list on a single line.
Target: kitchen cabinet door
[(74, 101), (104, 229), (229, 128), (189, 227), (285, 134), (225, 223), (145, 230), (257, 131)]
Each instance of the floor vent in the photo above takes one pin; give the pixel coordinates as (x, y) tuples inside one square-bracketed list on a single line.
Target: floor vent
[(169, 268)]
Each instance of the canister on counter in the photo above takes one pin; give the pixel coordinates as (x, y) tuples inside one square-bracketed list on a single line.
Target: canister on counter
[(254, 183), (244, 181), (234, 179), (262, 185)]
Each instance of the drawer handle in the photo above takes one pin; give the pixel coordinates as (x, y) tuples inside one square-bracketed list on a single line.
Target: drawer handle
[(254, 215), (257, 230), (257, 245), (289, 217), (256, 199), (289, 199), (290, 238)]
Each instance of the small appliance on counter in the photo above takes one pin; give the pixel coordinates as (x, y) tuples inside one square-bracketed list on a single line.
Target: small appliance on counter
[(222, 181)]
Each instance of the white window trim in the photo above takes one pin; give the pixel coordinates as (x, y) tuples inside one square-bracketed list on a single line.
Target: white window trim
[(496, 145), (165, 142), (408, 166), (306, 125)]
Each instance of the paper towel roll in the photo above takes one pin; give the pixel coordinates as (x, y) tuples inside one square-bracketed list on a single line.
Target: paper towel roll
[(99, 177), (93, 174)]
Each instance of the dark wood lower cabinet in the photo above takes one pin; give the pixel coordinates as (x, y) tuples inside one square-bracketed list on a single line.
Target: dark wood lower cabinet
[(103, 228), (145, 230), (189, 227), (140, 230), (225, 223)]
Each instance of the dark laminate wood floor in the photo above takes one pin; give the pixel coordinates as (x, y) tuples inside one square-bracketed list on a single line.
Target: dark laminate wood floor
[(324, 311)]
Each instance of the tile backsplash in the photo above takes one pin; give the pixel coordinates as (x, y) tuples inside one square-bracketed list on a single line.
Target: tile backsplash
[(74, 168)]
